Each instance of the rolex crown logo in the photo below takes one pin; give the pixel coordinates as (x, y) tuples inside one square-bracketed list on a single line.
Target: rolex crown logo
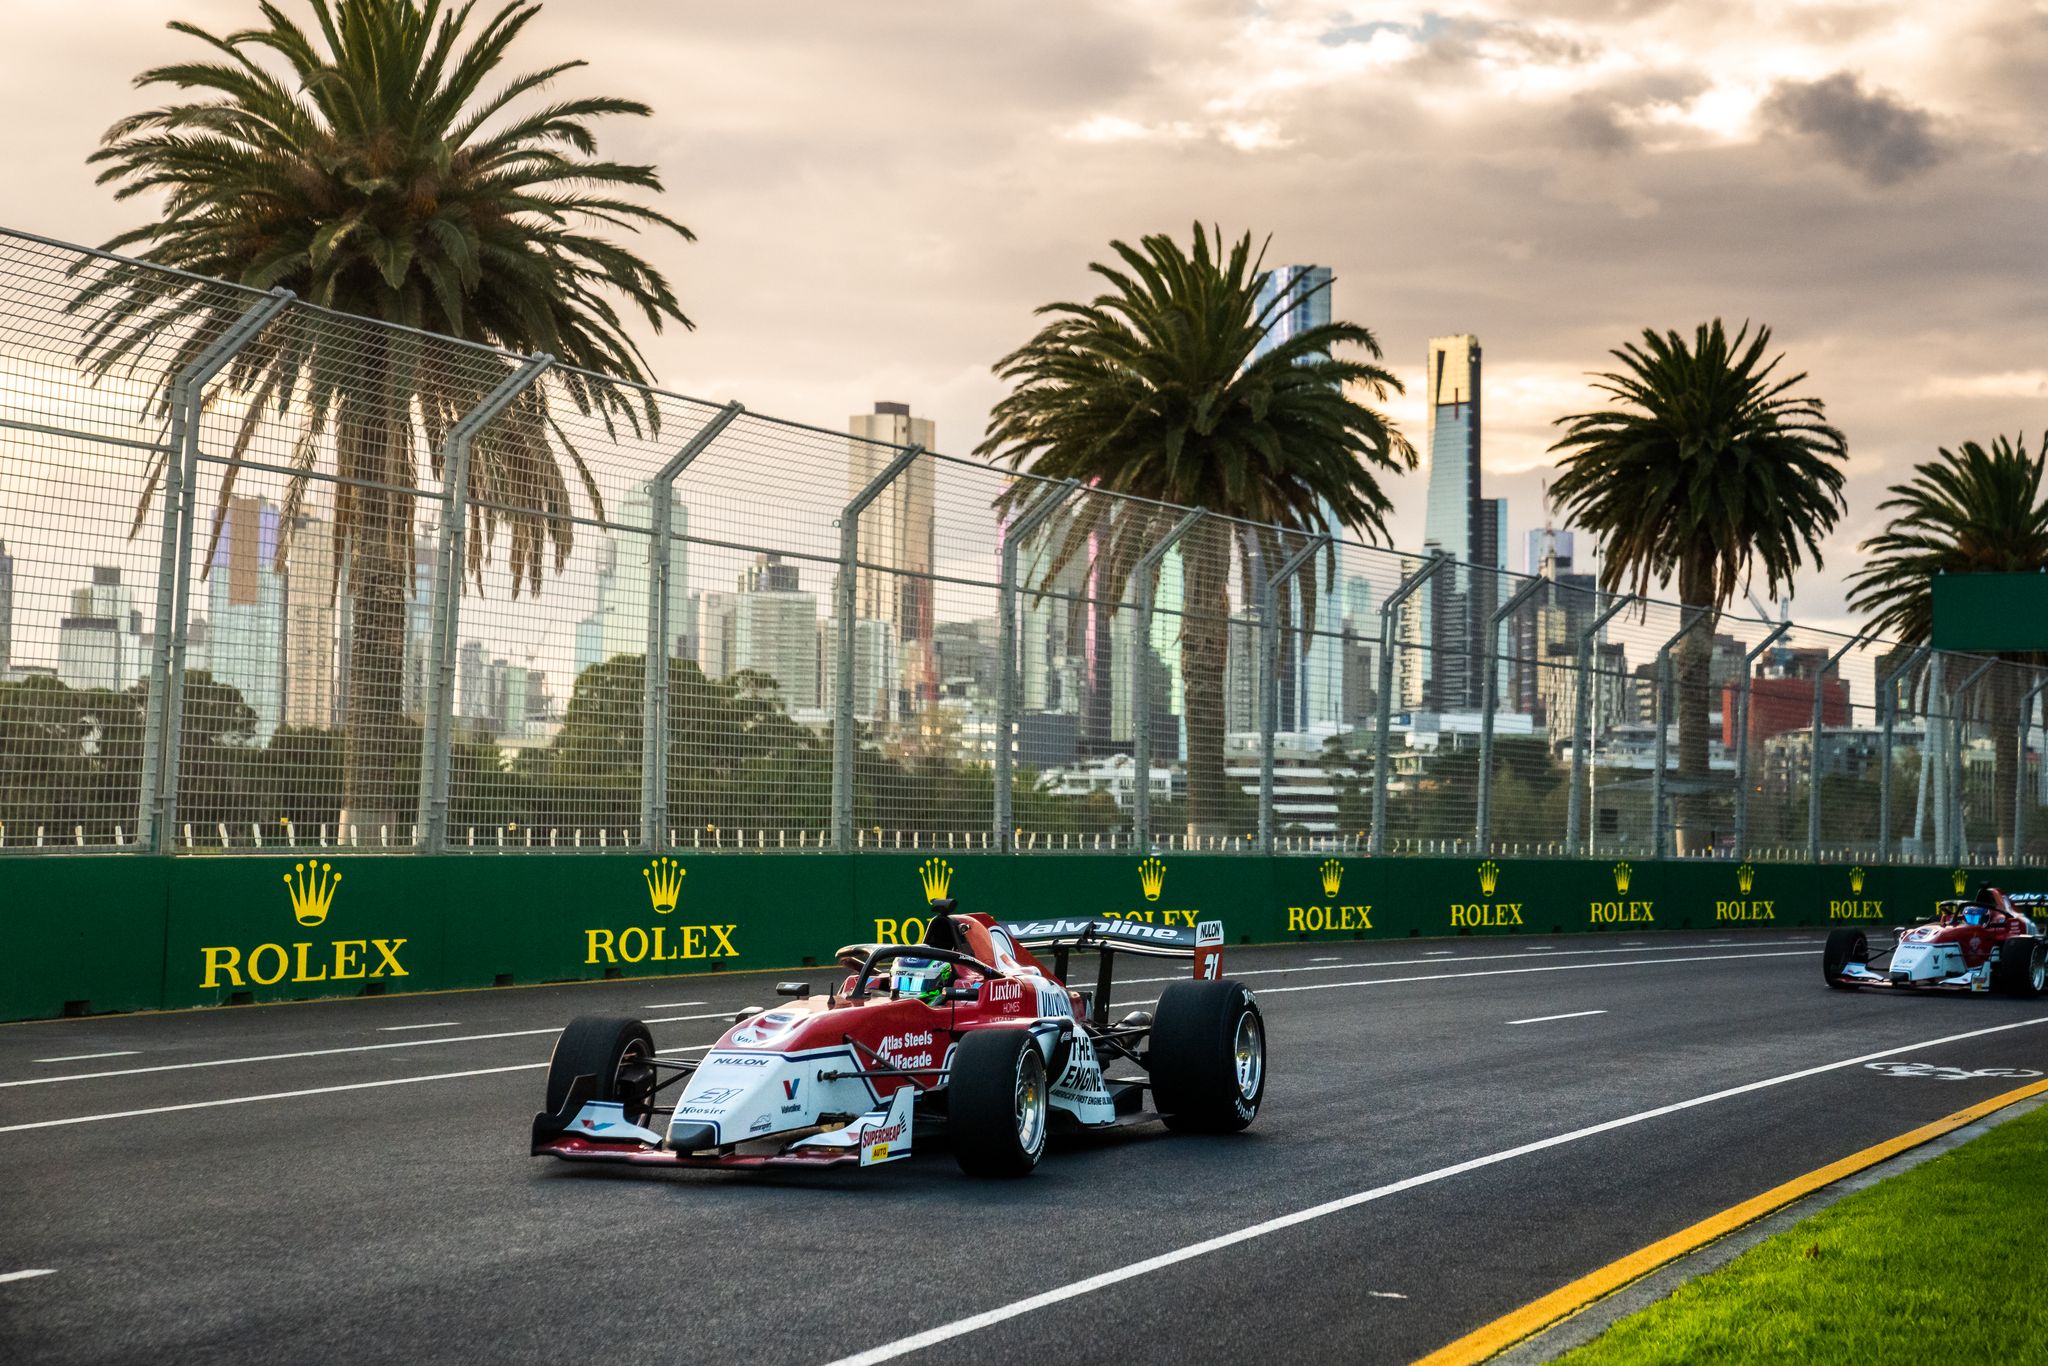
[(1961, 878), (1745, 878), (1856, 879), (1489, 877), (937, 876), (312, 891), (1622, 873), (1152, 877), (1333, 876), (664, 884)]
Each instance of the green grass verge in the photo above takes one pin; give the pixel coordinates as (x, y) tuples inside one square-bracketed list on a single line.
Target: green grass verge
[(1943, 1263)]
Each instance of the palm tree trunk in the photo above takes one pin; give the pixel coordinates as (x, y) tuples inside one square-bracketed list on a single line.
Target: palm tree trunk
[(374, 444), (1692, 827), (1204, 666)]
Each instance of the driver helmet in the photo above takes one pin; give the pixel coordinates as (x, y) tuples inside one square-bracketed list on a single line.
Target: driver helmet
[(1973, 915), (924, 978)]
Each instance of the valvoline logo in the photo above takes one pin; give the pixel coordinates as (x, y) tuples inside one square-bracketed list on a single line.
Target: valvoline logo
[(789, 1087)]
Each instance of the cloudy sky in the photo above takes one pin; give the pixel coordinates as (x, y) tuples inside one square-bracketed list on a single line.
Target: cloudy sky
[(883, 190)]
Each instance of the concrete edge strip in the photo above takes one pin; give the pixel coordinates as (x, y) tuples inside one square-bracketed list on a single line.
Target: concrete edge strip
[(1504, 1332)]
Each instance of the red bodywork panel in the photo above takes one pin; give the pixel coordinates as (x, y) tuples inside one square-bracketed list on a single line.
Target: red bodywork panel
[(1998, 923)]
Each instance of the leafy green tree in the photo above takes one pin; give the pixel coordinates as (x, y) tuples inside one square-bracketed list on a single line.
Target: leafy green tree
[(1709, 470), (364, 165), (1151, 390), (1968, 511)]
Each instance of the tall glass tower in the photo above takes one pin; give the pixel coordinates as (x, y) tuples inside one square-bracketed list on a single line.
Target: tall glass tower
[(1442, 674), (1312, 679)]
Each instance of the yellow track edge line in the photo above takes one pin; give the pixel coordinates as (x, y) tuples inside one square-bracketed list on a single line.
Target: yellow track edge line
[(1562, 1303)]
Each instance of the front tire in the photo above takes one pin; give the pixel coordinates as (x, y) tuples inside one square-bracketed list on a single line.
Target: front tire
[(1208, 1057), (1844, 947), (614, 1050), (2022, 968), (996, 1103)]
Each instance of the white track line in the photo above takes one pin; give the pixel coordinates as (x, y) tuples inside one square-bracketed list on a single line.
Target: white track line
[(946, 1332), (1512, 972), (24, 1275), (1452, 955), (90, 1057), (295, 1095), (438, 1024), (331, 1052), (672, 1005), (1546, 1019)]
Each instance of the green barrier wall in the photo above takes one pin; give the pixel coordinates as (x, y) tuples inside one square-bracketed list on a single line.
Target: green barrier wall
[(84, 935)]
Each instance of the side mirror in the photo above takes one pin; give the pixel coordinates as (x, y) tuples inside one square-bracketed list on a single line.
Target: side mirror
[(963, 993), (798, 989)]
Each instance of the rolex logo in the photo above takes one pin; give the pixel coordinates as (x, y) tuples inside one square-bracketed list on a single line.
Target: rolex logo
[(1961, 879), (1622, 873), (1489, 877), (1856, 879), (1333, 876), (1745, 878), (937, 876), (664, 884), (1152, 877), (312, 891)]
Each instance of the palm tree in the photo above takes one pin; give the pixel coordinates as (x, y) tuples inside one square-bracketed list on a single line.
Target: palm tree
[(1710, 470), (1969, 511), (365, 168), (1151, 391)]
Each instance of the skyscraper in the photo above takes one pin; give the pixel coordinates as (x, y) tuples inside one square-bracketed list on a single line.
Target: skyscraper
[(246, 609), (1312, 680), (309, 625), (618, 625), (1446, 633), (99, 645), (897, 541), (775, 630)]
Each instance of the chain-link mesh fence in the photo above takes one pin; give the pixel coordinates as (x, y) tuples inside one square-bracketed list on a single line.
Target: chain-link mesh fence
[(274, 577)]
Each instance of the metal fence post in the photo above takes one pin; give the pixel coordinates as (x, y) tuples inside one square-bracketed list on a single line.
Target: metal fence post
[(1660, 822), (1888, 703), (1007, 703), (1269, 677), (438, 727), (844, 746), (1958, 843), (1386, 697), (2019, 778), (1482, 827), (164, 711), (1741, 733), (1813, 765), (660, 601), (1582, 719), (1141, 680)]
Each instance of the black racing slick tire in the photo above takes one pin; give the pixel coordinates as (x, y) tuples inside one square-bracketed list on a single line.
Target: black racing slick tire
[(1843, 948), (997, 1104), (616, 1052), (2022, 968), (1208, 1057)]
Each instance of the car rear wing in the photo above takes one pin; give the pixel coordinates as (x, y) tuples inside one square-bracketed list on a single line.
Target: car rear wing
[(1203, 943)]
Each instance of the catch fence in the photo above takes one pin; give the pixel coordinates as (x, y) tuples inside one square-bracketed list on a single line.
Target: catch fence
[(278, 578)]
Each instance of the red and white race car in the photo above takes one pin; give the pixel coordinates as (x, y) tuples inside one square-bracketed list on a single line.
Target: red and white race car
[(1994, 942), (967, 1033)]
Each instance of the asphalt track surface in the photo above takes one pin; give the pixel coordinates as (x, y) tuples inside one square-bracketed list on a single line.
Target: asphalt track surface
[(348, 1180)]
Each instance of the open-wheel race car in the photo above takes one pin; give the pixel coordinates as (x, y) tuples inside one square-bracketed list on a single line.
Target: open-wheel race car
[(1996, 941), (966, 1033)]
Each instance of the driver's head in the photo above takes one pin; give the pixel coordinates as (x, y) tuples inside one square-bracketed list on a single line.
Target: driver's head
[(1973, 915), (924, 978)]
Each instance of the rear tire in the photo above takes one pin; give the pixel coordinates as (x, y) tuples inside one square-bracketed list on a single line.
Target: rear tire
[(2022, 968), (1208, 1057), (614, 1050), (1844, 947), (996, 1103)]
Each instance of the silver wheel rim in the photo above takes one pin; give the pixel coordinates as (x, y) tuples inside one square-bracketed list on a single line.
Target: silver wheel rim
[(1029, 1102), (2039, 976), (1249, 1049)]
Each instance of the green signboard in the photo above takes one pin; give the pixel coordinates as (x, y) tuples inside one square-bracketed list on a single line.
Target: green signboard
[(1990, 612)]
